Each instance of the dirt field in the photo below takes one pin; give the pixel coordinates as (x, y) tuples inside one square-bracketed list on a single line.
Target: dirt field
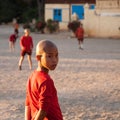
[(87, 81)]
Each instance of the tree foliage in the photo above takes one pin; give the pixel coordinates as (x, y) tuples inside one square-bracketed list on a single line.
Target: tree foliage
[(22, 10)]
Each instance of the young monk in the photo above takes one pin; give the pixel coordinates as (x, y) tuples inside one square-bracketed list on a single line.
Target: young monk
[(12, 41), (26, 44), (41, 96), (80, 36)]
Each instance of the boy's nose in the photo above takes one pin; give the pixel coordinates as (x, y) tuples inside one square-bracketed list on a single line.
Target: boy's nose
[(55, 60)]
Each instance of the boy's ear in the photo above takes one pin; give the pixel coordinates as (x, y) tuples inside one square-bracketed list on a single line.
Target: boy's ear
[(38, 57)]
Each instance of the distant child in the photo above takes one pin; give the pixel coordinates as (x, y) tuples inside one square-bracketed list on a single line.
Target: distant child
[(41, 95), (80, 36), (16, 28), (12, 41), (26, 44)]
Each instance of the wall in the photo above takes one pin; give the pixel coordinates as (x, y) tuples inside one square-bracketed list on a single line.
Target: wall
[(65, 13), (107, 4), (102, 22)]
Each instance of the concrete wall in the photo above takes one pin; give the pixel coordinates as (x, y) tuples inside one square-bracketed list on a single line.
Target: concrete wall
[(65, 13), (100, 22), (107, 4)]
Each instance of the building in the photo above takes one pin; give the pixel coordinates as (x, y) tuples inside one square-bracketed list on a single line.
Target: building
[(62, 10), (104, 20), (100, 18)]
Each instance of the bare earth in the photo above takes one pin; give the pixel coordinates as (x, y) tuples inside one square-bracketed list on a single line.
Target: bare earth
[(87, 81)]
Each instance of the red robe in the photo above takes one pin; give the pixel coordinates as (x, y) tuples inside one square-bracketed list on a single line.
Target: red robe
[(79, 33), (42, 94)]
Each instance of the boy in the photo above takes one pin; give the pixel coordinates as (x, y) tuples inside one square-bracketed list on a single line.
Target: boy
[(12, 41), (16, 27), (80, 36), (41, 96), (26, 44)]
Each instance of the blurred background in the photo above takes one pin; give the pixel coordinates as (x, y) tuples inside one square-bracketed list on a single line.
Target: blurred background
[(21, 10)]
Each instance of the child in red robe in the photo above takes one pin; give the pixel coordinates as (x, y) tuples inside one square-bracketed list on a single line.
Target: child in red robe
[(41, 94), (26, 44), (80, 36), (12, 41)]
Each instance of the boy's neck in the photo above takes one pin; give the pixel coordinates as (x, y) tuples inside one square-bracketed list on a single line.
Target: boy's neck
[(42, 69)]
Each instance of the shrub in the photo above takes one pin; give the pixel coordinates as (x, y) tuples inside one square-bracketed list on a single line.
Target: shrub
[(73, 25), (40, 25), (52, 26), (26, 25)]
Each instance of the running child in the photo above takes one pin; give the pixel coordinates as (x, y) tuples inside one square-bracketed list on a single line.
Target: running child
[(12, 41)]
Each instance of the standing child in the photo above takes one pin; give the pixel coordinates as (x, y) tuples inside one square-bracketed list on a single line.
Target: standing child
[(12, 40), (16, 28), (41, 96), (26, 44), (80, 36)]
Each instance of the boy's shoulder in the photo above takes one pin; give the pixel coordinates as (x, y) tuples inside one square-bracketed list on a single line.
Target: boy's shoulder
[(22, 37), (40, 76)]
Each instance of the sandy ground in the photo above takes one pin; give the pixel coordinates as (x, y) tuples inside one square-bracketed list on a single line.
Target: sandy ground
[(87, 81)]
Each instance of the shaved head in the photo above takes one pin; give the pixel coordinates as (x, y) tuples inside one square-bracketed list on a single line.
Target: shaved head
[(44, 46)]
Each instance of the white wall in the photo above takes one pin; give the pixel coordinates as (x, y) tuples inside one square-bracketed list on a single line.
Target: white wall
[(97, 23), (102, 23), (65, 13)]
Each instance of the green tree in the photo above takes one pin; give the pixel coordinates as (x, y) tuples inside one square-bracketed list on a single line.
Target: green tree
[(22, 10), (10, 9), (7, 10), (41, 5)]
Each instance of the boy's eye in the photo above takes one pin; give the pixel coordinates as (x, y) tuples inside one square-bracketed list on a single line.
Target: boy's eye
[(49, 56), (56, 55)]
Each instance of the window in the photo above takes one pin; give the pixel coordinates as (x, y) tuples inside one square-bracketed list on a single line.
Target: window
[(57, 15), (92, 6)]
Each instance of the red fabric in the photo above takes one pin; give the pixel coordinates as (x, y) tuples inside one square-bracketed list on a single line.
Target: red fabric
[(79, 33), (26, 43), (16, 26), (12, 38), (42, 94)]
